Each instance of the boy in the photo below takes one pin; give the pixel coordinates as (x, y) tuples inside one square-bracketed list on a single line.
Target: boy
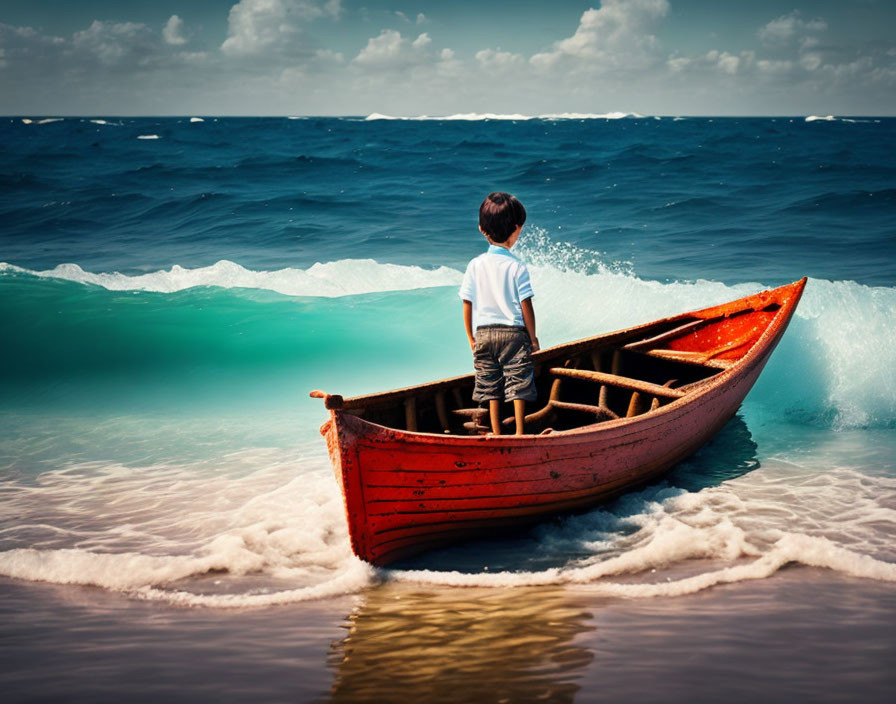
[(498, 313)]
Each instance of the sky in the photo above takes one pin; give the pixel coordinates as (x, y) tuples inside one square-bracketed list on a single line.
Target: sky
[(530, 57)]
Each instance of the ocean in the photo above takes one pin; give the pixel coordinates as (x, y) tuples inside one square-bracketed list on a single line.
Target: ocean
[(172, 288)]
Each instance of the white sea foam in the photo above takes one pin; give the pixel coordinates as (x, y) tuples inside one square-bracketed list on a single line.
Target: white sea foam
[(832, 118), (341, 278), (196, 119), (745, 530), (257, 527), (44, 121), (260, 527), (472, 116), (147, 136), (833, 365)]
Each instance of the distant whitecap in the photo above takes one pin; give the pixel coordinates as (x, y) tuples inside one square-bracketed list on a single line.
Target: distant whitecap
[(473, 116)]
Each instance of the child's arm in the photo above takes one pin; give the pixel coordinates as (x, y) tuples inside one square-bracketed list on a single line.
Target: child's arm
[(529, 320), (468, 323)]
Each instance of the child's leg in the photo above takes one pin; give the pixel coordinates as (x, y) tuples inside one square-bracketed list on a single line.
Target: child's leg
[(519, 413), (494, 412)]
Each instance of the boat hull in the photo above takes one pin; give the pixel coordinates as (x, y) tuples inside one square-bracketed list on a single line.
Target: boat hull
[(406, 492)]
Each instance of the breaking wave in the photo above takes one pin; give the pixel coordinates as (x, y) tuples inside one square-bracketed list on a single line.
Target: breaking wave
[(832, 118), (832, 369), (341, 278)]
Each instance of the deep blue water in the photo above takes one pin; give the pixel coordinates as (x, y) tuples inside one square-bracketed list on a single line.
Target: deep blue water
[(727, 199)]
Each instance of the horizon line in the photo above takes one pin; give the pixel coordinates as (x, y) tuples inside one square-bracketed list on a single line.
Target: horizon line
[(386, 117)]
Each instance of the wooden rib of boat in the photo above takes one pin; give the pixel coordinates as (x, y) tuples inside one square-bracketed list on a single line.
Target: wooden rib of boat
[(614, 411)]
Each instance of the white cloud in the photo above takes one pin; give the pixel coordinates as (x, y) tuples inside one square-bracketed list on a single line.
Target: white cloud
[(677, 64), (807, 43), (421, 42), (194, 57), (615, 36), (774, 67), (787, 27), (449, 67), (262, 26), (389, 50), (328, 56), (173, 31), (810, 62), (722, 61), (491, 60), (728, 62), (116, 43), (608, 60), (886, 76), (26, 42), (858, 70)]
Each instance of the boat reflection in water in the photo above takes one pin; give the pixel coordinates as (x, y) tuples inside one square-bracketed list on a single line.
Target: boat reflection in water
[(408, 644)]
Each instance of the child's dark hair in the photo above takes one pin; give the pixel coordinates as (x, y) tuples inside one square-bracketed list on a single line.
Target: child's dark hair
[(500, 214)]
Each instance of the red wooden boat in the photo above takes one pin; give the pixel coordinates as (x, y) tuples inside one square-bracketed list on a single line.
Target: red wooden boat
[(613, 412)]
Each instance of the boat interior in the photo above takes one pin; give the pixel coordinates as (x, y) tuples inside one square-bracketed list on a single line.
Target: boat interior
[(619, 375)]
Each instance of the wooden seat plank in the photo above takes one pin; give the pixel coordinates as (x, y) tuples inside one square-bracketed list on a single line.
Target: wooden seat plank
[(623, 382)]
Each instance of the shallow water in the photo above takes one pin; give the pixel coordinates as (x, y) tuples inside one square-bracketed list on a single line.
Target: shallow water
[(808, 634)]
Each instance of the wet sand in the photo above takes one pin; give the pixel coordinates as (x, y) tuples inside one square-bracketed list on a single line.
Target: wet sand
[(802, 635)]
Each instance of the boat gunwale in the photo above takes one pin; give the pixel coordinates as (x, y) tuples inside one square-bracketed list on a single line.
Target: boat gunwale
[(757, 352)]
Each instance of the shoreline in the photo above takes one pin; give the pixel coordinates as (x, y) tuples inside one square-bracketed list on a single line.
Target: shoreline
[(804, 633)]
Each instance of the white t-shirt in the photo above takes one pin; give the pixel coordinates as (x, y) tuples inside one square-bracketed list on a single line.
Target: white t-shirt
[(496, 282)]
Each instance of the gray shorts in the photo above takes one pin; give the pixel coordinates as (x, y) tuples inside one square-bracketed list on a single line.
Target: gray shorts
[(502, 358)]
